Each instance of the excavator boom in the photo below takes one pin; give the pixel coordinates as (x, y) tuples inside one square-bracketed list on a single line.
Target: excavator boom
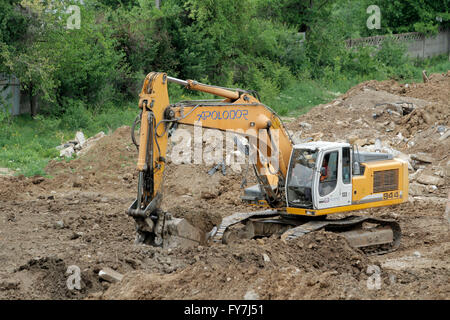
[(239, 112)]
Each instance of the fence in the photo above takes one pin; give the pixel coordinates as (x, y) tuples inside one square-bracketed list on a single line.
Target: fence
[(418, 45)]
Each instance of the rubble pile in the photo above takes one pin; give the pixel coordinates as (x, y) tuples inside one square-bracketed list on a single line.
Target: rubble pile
[(79, 145), (410, 121)]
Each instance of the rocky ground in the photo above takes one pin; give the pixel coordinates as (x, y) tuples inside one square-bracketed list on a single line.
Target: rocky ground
[(76, 217)]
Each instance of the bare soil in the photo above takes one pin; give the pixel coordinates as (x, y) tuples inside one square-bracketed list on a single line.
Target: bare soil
[(77, 217)]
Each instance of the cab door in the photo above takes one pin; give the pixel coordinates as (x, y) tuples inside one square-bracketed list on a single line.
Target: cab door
[(333, 187)]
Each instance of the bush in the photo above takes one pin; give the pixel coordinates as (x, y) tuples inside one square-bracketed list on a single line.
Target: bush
[(76, 116)]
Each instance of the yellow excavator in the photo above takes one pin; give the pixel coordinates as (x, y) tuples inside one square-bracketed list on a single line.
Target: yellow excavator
[(301, 185)]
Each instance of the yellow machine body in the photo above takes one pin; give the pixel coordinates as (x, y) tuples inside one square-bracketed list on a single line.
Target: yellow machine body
[(371, 189)]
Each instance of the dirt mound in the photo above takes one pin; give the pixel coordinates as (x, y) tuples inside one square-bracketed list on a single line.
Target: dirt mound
[(110, 163), (10, 185), (46, 278), (230, 272), (422, 119), (435, 90)]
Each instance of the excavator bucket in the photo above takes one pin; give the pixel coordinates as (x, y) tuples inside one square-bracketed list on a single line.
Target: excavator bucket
[(168, 231)]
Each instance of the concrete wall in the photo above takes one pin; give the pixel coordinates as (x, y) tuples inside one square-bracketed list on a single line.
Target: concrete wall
[(16, 101), (10, 93), (418, 45)]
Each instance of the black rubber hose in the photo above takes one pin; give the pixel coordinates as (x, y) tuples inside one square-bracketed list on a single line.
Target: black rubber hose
[(133, 138)]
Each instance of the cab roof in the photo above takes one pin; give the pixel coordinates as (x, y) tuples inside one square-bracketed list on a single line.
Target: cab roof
[(321, 145)]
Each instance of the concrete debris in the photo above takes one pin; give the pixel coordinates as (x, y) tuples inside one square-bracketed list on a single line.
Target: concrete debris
[(59, 224), (251, 295), (78, 146), (422, 157), (430, 180), (444, 136), (296, 137), (79, 136), (9, 284), (377, 145), (417, 189), (64, 146), (67, 153), (305, 125), (110, 275)]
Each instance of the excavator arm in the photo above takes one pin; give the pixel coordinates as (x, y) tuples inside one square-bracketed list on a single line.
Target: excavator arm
[(239, 112)]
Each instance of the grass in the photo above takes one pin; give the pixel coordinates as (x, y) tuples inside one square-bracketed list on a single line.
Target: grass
[(26, 144), (300, 97), (303, 95)]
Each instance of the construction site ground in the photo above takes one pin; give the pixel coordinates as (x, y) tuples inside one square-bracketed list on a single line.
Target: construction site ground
[(76, 217)]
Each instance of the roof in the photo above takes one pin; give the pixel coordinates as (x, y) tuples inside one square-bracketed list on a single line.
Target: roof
[(321, 145)]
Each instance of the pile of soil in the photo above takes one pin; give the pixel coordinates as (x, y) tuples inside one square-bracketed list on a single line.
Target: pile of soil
[(270, 269)]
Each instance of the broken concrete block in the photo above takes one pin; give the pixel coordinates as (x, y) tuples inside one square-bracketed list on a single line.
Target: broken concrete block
[(67, 152), (417, 189), (445, 136), (9, 284), (422, 157), (413, 176), (110, 275), (80, 138), (182, 228), (91, 142), (59, 224), (428, 179), (296, 137), (251, 295), (99, 135), (305, 125)]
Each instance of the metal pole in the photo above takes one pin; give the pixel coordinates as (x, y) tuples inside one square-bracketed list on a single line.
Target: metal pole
[(178, 81)]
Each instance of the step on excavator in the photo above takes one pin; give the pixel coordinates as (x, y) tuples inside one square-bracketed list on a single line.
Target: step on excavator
[(300, 186)]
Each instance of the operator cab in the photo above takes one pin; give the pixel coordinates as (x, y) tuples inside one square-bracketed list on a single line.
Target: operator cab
[(319, 175)]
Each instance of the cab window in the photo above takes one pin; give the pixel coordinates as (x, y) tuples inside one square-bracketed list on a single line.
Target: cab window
[(346, 167), (328, 173)]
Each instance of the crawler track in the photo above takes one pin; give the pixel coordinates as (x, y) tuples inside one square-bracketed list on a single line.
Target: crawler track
[(382, 236)]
